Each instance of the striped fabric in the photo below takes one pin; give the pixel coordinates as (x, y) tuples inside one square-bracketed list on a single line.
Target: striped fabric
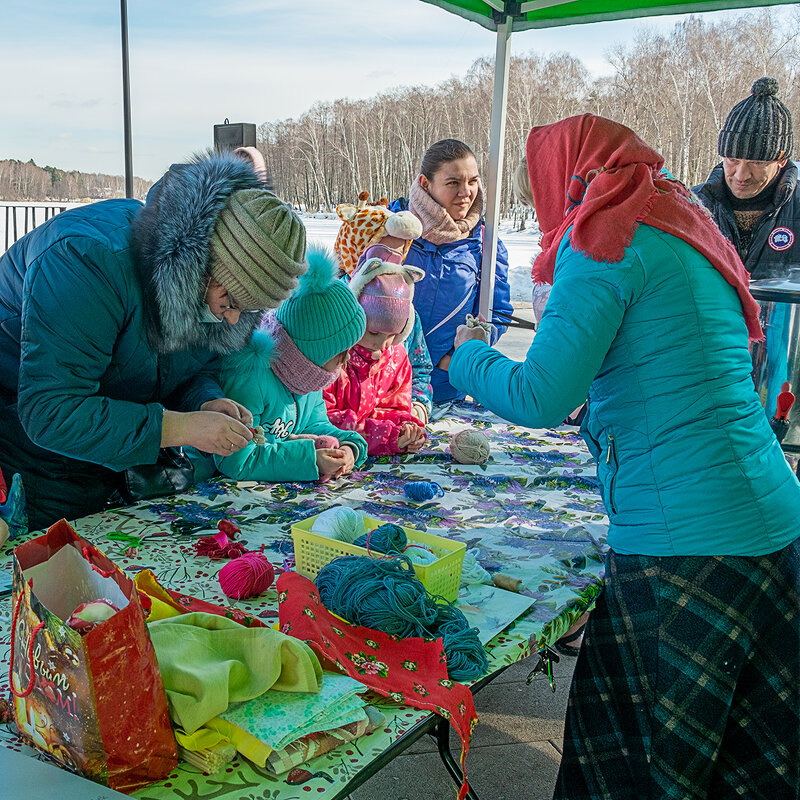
[(759, 128), (687, 685)]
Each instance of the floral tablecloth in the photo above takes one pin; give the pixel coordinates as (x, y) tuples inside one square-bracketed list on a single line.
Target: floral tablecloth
[(533, 512)]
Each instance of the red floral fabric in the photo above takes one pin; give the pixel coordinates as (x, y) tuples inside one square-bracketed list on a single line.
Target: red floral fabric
[(411, 671), (373, 398)]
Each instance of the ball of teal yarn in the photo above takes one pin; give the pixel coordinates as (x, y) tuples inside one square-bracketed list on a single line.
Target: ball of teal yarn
[(339, 522), (466, 657), (388, 538)]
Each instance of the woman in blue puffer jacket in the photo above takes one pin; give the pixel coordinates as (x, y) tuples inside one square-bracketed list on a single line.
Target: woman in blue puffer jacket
[(447, 198), (686, 684)]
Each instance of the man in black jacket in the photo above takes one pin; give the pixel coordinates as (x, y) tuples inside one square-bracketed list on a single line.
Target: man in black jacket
[(753, 194), (754, 197)]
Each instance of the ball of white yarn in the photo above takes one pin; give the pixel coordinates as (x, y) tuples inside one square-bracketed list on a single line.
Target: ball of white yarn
[(470, 447), (341, 523)]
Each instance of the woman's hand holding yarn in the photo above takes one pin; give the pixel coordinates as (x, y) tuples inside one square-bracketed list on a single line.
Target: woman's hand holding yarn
[(208, 431), (349, 460), (478, 329)]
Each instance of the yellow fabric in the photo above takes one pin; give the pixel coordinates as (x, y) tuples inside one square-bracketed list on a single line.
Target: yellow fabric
[(163, 606), (202, 739), (246, 744)]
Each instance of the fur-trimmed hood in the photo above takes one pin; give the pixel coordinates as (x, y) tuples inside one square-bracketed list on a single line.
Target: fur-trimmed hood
[(171, 238)]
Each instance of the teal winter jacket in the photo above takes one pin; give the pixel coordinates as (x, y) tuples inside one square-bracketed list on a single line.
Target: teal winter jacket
[(100, 331), (247, 378), (686, 459)]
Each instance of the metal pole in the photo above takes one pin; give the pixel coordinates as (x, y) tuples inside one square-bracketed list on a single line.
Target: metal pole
[(493, 183), (126, 99)]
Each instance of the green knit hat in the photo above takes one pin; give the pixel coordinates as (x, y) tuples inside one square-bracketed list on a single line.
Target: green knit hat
[(257, 249), (759, 128), (323, 317)]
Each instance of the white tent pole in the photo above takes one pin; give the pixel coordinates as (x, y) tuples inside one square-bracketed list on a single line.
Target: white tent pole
[(493, 182)]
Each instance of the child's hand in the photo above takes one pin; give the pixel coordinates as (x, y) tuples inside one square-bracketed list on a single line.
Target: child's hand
[(349, 460), (330, 462), (411, 437)]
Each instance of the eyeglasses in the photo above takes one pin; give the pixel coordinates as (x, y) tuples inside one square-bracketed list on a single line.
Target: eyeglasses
[(231, 305)]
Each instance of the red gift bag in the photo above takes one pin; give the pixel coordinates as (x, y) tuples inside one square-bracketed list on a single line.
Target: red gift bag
[(94, 702)]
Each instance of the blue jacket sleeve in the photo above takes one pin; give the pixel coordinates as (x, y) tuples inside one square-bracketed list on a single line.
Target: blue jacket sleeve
[(580, 322), (421, 366), (63, 361), (502, 290)]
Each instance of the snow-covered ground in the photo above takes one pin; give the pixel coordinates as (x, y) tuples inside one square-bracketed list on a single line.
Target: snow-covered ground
[(522, 247), (322, 228)]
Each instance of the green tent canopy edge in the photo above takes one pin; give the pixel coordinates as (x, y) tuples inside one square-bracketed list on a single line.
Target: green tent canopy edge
[(531, 14)]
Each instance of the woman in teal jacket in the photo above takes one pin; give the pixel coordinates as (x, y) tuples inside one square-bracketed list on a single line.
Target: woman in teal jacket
[(112, 318), (686, 684)]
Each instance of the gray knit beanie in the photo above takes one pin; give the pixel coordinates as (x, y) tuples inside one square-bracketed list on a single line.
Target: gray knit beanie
[(258, 249), (759, 128)]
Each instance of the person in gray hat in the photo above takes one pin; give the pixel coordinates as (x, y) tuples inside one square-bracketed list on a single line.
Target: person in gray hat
[(753, 194), (754, 197), (112, 319)]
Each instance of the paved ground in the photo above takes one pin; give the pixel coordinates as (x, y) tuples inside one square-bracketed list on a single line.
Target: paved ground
[(515, 750), (516, 747)]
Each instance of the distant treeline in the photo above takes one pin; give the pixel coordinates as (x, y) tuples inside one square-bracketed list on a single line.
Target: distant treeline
[(673, 89), (24, 180)]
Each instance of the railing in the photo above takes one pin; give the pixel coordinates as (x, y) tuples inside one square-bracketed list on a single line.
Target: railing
[(21, 218)]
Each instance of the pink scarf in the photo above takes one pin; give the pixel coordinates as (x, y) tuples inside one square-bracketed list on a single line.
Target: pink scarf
[(295, 371), (601, 179), (438, 227)]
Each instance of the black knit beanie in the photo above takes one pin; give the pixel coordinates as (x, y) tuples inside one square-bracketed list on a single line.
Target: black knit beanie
[(759, 128)]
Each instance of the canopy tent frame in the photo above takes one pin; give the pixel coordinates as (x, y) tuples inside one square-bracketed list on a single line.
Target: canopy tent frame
[(502, 17)]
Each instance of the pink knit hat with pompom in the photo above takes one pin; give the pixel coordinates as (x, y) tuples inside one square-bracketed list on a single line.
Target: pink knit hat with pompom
[(386, 301)]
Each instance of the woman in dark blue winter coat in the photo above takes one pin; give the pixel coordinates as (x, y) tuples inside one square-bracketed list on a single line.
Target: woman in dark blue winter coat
[(447, 198)]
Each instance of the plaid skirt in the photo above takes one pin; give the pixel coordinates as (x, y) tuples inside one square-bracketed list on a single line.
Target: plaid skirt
[(688, 682)]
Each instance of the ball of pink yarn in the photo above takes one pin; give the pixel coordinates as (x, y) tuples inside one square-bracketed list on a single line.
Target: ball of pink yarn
[(246, 576), (324, 442)]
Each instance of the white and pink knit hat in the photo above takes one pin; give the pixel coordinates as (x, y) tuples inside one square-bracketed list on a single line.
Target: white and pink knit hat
[(385, 292)]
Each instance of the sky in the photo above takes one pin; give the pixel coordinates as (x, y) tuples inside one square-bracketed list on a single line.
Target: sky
[(194, 63)]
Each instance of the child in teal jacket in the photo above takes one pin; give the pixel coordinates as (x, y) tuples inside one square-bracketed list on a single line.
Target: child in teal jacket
[(280, 376)]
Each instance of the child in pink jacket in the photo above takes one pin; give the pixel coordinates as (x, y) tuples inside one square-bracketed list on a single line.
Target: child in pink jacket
[(372, 395)]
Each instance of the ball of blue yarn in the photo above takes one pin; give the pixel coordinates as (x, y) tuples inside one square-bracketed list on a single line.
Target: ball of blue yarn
[(385, 594), (422, 490), (388, 538)]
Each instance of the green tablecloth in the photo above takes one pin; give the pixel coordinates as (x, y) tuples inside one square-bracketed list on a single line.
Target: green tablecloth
[(532, 512)]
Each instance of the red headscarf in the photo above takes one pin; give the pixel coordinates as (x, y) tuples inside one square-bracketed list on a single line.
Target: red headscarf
[(600, 178)]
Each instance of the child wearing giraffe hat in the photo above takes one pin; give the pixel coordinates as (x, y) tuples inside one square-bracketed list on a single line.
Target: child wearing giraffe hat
[(370, 230)]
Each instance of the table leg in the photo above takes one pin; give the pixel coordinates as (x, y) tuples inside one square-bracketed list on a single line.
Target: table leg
[(442, 732)]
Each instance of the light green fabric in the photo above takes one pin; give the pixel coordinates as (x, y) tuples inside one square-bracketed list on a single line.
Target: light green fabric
[(686, 460), (207, 662), (279, 718), (247, 378)]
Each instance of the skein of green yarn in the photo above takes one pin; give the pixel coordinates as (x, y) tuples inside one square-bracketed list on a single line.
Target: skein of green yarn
[(385, 595), (387, 538)]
